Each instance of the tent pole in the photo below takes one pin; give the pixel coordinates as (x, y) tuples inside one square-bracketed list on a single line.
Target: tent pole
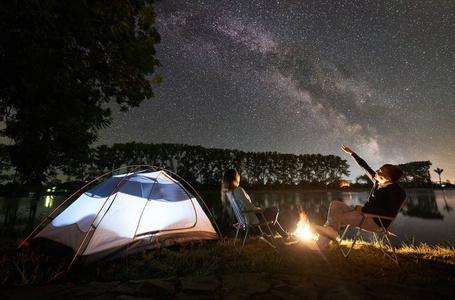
[(219, 231), (96, 217), (67, 200), (48, 217)]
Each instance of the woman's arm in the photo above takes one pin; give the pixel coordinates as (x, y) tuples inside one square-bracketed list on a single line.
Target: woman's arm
[(243, 198)]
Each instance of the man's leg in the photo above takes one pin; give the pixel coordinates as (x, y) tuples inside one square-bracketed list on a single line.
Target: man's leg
[(341, 215), (337, 209), (354, 218), (336, 214), (335, 219)]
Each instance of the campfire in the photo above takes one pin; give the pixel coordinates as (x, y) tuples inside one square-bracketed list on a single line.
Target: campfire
[(303, 228)]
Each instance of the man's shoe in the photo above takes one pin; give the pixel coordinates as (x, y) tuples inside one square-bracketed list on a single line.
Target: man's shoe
[(327, 232), (290, 240)]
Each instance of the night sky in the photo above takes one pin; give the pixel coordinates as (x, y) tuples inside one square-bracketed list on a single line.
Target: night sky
[(303, 77)]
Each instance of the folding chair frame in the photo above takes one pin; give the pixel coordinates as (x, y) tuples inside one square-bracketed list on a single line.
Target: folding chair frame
[(243, 224), (382, 231)]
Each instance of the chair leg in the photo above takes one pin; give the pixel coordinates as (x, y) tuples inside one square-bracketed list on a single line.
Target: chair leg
[(346, 254), (392, 256), (244, 240), (273, 238), (247, 230), (274, 242), (235, 239), (260, 229)]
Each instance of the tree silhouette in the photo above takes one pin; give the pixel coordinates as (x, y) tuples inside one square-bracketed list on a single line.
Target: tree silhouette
[(439, 171), (61, 63), (416, 173), (204, 167)]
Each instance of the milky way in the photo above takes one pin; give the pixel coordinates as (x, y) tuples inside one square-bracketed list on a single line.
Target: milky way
[(303, 77)]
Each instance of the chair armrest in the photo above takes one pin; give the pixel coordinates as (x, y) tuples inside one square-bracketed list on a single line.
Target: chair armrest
[(378, 216)]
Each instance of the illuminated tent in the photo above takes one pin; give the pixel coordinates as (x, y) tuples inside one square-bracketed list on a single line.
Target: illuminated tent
[(129, 213)]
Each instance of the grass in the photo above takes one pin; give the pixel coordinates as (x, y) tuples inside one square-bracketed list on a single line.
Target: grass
[(420, 265)]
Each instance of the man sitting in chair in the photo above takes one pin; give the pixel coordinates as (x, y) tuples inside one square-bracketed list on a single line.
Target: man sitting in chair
[(386, 198)]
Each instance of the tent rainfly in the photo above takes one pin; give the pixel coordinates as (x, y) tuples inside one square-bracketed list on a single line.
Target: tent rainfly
[(129, 213)]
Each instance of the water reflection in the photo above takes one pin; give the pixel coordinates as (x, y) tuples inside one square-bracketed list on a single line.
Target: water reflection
[(20, 216), (33, 207), (15, 215), (49, 201), (423, 206), (11, 210), (427, 216), (447, 207)]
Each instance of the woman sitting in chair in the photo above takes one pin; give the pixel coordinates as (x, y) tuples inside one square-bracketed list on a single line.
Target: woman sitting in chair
[(386, 198), (230, 186)]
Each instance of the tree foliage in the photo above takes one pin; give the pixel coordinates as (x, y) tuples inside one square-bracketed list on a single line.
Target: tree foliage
[(362, 179), (204, 167), (416, 173), (61, 62)]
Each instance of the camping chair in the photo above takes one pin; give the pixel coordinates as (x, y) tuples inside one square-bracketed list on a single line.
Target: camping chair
[(384, 231), (243, 224)]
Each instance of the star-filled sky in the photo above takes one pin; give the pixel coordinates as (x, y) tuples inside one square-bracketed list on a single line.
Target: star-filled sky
[(303, 77)]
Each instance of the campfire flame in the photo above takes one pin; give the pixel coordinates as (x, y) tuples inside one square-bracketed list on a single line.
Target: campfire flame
[(303, 227)]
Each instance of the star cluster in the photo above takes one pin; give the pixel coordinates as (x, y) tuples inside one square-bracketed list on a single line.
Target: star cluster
[(303, 77)]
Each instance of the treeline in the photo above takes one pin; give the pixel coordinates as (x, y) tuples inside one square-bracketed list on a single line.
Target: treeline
[(416, 174), (203, 167)]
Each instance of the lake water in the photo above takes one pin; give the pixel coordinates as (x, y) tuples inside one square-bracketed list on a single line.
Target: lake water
[(427, 217)]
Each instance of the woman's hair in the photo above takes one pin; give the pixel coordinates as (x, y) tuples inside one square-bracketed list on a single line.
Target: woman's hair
[(229, 177), (392, 171)]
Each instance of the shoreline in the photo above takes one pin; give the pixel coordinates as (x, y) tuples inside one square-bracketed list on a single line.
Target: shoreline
[(315, 190), (253, 190)]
